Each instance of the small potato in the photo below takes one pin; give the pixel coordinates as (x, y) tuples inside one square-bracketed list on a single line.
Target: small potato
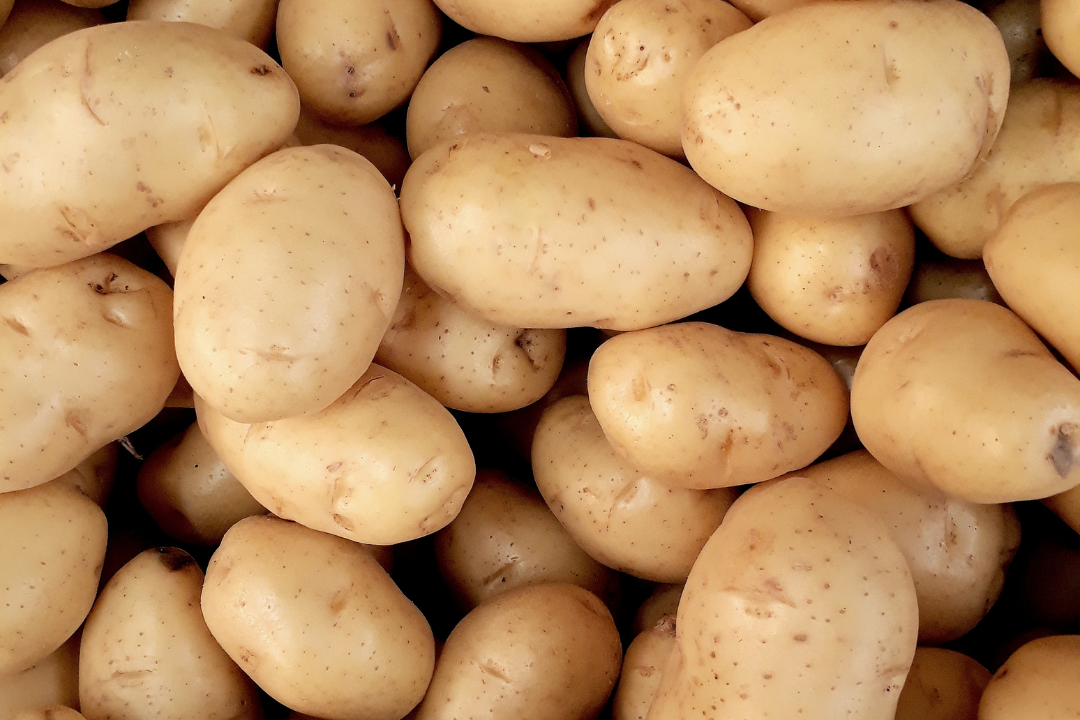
[(385, 151), (544, 652), (464, 362), (1037, 681), (251, 20), (146, 650), (88, 358), (589, 121), (525, 21), (664, 600), (52, 544), (53, 680), (642, 670), (316, 622), (1061, 29), (694, 405), (942, 685), (32, 23), (833, 281), (353, 62)]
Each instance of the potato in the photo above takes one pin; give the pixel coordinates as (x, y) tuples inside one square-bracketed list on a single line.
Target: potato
[(251, 20), (961, 396), (53, 680), (95, 475), (1038, 680), (1034, 261), (87, 358), (639, 56), (541, 232), (833, 281), (1037, 146), (55, 712), (316, 622), (942, 685), (146, 650), (697, 406), (120, 145), (1066, 505), (664, 600), (168, 241), (886, 102), (1060, 28), (937, 278), (385, 151), (464, 362), (52, 541), (642, 670), (800, 606), (1019, 22), (32, 23), (524, 21), (544, 652), (621, 516), (353, 62), (384, 464), (589, 121)]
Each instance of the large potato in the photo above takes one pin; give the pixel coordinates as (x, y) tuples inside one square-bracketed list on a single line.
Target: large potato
[(526, 21), (144, 122), (87, 358), (287, 282), (251, 20), (32, 23), (1037, 681), (884, 103), (543, 232)]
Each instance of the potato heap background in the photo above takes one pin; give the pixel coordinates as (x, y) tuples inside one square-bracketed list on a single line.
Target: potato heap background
[(568, 359)]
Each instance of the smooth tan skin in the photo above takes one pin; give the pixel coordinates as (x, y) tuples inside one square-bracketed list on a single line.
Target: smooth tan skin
[(833, 281), (1066, 506), (120, 146), (287, 282), (639, 56), (464, 362), (53, 680), (88, 357), (642, 670), (504, 538), (250, 20), (384, 464), (533, 231), (697, 406), (32, 23), (95, 475), (957, 551), (664, 600), (488, 85), (147, 653), (960, 395), (1038, 680), (53, 540), (385, 151), (527, 22), (353, 62), (1036, 147), (168, 240), (1061, 30), (942, 685), (623, 517), (55, 712), (1034, 261), (190, 493), (799, 606), (589, 121), (885, 103), (545, 652), (316, 622)]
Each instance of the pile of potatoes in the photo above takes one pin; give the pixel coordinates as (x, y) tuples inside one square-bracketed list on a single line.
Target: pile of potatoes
[(644, 360)]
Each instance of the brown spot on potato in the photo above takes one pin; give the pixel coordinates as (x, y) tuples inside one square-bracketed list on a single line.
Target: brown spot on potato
[(1062, 454), (801, 638), (174, 559), (526, 340), (261, 70), (74, 419), (17, 326)]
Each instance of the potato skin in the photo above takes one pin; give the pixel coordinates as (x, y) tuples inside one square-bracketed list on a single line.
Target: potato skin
[(53, 680), (942, 685), (1038, 680), (250, 20), (570, 232), (1061, 28), (122, 145), (894, 100), (642, 670), (32, 23), (524, 21)]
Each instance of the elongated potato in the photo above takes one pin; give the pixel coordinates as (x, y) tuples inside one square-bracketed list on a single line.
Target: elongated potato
[(942, 685), (251, 20), (525, 21), (542, 232), (1038, 680), (146, 121), (32, 23)]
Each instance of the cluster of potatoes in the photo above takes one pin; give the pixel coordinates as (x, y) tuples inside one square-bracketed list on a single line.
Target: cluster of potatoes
[(612, 331)]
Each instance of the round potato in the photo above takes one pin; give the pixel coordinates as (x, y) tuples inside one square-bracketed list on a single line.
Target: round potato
[(885, 103), (1038, 680), (642, 670), (385, 151), (32, 23), (525, 21), (589, 121), (1061, 29), (53, 680), (251, 20), (942, 685)]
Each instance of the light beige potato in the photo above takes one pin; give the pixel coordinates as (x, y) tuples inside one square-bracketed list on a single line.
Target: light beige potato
[(543, 652), (542, 232), (53, 680), (316, 622), (885, 103), (464, 362), (488, 85), (1066, 505), (1020, 25), (384, 464), (124, 144), (353, 62), (504, 538), (286, 283), (942, 685), (663, 600), (87, 358), (1061, 30), (1034, 261), (250, 20), (962, 396), (32, 23), (95, 475), (1037, 681), (639, 56), (55, 712), (800, 606), (642, 670), (833, 281), (52, 541), (697, 406), (1039, 144), (589, 121), (957, 551), (623, 517), (146, 650), (385, 151), (190, 493), (525, 21)]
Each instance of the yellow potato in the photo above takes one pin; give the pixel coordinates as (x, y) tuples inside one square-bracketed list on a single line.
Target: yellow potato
[(542, 232), (32, 23), (1061, 29), (385, 151), (144, 123), (53, 680), (87, 358), (525, 21), (942, 685), (251, 20), (1037, 681), (884, 103), (642, 670), (589, 121)]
